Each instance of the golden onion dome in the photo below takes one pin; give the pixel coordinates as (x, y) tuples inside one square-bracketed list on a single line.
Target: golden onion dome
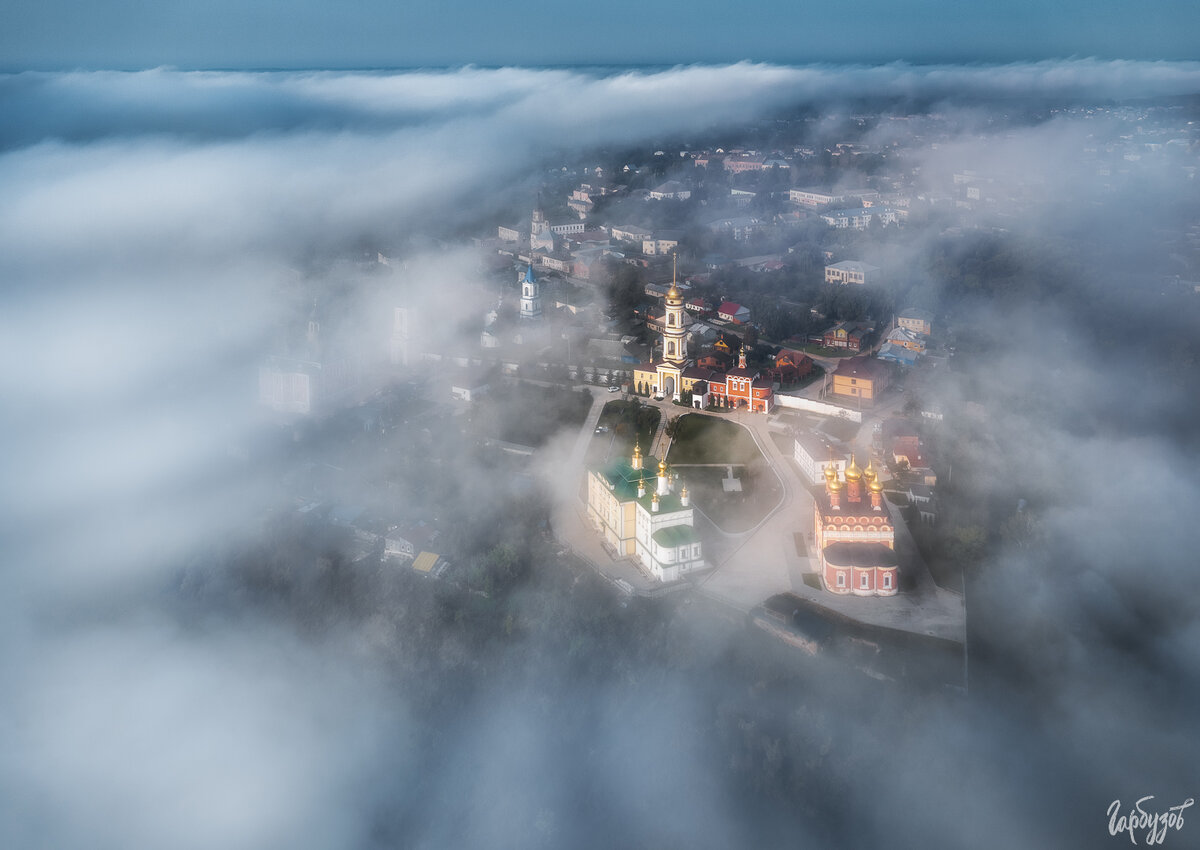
[(853, 473), (869, 473), (835, 484), (876, 485), (662, 467), (830, 472), (683, 494)]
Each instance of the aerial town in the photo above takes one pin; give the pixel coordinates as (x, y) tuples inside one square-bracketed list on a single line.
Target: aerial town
[(750, 371)]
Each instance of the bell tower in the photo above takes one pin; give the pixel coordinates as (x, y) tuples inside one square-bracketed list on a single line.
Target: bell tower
[(674, 337), (531, 295)]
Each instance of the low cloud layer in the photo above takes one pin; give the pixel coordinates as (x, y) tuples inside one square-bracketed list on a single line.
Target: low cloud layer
[(149, 223)]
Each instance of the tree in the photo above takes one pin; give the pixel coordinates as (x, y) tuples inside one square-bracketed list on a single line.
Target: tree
[(672, 427), (965, 545)]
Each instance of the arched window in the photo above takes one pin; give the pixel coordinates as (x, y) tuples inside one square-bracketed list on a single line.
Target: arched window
[(670, 348), (887, 581), (866, 581), (841, 580)]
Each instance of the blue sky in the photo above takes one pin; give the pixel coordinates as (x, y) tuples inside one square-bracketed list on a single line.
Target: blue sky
[(48, 34)]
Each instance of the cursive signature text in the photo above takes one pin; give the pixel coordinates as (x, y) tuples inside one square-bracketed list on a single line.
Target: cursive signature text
[(1154, 824)]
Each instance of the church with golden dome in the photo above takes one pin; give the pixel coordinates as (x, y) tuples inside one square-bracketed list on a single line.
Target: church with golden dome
[(675, 374), (854, 534), (666, 375), (648, 519)]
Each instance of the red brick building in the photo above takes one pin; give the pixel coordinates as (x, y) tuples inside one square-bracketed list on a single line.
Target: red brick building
[(854, 535), (743, 388)]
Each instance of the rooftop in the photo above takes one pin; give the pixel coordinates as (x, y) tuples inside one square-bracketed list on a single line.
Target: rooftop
[(676, 535), (853, 266), (845, 554), (860, 367)]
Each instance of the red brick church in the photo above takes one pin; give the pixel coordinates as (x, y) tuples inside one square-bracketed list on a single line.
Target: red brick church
[(854, 535)]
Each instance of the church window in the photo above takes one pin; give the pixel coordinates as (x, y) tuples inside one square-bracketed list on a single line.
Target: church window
[(841, 580), (887, 582), (866, 581), (670, 348)]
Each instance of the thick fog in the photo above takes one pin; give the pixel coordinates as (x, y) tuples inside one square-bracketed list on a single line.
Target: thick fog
[(165, 687)]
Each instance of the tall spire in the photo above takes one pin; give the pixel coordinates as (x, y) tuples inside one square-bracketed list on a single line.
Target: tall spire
[(674, 291)]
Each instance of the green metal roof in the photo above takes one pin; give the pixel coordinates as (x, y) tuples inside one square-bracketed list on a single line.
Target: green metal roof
[(623, 478), (676, 535)]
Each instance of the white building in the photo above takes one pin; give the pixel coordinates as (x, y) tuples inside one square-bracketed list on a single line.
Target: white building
[(813, 197), (859, 219), (851, 271), (630, 233), (660, 246), (672, 190), (644, 517), (813, 453)]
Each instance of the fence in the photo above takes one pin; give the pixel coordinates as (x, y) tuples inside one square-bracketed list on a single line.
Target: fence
[(797, 403)]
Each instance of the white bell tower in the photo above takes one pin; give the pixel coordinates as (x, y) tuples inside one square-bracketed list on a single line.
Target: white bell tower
[(531, 295), (674, 336)]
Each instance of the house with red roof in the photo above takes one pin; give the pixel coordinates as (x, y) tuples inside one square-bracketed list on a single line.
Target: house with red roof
[(731, 311), (790, 366)]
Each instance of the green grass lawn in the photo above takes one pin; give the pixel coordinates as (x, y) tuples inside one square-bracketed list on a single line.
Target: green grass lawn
[(626, 422), (733, 512), (707, 439)]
